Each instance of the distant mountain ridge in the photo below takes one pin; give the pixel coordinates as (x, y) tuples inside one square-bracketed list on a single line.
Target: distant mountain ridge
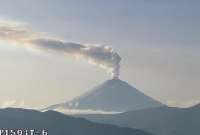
[(112, 95), (160, 120), (58, 124)]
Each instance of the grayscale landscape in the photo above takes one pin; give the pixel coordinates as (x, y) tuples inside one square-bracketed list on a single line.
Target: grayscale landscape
[(99, 67)]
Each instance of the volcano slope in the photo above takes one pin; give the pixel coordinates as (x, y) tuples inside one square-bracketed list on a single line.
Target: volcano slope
[(113, 95)]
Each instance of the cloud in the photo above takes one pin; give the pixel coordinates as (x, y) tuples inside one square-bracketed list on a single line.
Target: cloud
[(83, 111), (183, 104), (101, 56), (13, 103)]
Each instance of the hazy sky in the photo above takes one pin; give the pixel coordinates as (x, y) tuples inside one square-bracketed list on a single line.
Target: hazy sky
[(159, 42)]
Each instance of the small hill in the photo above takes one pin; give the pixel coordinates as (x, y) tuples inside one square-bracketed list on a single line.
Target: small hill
[(160, 121), (58, 124)]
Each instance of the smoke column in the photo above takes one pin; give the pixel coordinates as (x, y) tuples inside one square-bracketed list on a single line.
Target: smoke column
[(101, 56)]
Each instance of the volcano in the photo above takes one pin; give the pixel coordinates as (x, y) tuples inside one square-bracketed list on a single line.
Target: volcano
[(113, 95)]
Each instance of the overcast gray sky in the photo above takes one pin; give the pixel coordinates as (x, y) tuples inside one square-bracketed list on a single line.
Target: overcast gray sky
[(157, 40)]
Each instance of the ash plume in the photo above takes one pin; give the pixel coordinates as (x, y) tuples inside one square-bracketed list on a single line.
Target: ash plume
[(101, 56)]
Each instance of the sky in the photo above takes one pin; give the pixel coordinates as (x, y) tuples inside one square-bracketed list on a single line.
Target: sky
[(158, 42)]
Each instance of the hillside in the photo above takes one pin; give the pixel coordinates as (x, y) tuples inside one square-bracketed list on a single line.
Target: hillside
[(58, 124), (160, 121)]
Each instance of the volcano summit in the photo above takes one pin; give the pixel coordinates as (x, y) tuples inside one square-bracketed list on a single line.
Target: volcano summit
[(113, 95)]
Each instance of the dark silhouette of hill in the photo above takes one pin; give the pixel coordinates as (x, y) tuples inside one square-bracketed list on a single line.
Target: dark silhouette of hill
[(112, 95), (160, 121), (58, 124)]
